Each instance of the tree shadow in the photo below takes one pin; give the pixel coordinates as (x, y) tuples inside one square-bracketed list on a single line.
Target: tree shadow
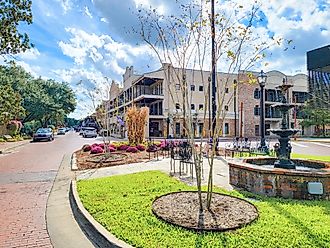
[(307, 231), (199, 242)]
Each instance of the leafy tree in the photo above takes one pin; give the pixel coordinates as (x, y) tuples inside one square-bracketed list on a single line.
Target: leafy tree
[(46, 101), (12, 12), (10, 104), (316, 115), (70, 122)]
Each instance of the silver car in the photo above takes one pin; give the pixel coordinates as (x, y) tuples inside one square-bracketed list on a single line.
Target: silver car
[(43, 134)]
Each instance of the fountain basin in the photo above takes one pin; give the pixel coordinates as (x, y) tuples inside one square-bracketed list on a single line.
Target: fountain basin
[(284, 132), (251, 175)]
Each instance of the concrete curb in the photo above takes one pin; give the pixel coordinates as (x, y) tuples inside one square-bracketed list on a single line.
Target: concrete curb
[(222, 159), (62, 228), (95, 232), (74, 166)]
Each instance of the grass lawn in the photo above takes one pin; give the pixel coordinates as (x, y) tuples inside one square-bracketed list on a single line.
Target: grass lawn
[(312, 157), (293, 155), (122, 204)]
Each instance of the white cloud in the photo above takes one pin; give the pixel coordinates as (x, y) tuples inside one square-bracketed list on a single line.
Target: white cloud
[(104, 20), (65, 4), (101, 51), (34, 70), (87, 12), (30, 54)]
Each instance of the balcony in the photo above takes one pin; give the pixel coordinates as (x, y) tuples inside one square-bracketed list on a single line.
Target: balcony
[(273, 115)]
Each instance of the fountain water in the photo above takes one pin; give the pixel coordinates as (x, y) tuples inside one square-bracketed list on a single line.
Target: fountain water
[(283, 149)]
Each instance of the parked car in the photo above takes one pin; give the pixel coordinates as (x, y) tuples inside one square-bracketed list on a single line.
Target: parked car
[(61, 131), (43, 134), (89, 132)]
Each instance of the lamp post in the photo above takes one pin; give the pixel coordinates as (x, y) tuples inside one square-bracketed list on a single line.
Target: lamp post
[(262, 77)]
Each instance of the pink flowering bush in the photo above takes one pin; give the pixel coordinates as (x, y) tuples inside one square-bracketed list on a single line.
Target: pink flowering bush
[(86, 148), (123, 147), (111, 149), (14, 127), (141, 147), (101, 145), (96, 150), (132, 149)]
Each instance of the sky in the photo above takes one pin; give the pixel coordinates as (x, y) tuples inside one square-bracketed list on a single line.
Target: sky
[(89, 43)]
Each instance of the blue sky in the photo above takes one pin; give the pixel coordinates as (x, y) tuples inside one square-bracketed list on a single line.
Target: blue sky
[(87, 42)]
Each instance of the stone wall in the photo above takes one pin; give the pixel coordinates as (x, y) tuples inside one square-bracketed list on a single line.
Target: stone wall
[(279, 182)]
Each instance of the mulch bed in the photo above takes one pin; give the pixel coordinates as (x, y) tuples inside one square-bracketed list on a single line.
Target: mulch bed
[(226, 212), (85, 160)]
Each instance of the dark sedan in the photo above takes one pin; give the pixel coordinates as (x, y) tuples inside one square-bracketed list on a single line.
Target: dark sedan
[(43, 134)]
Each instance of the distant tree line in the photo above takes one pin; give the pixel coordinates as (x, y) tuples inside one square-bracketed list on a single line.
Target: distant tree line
[(35, 101)]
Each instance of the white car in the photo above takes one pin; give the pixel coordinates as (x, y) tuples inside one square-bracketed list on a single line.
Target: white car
[(89, 132), (61, 131)]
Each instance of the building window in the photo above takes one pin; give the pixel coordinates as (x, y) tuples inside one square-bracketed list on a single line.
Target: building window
[(177, 106), (226, 108), (201, 88), (192, 87), (226, 128), (200, 107), (256, 130), (192, 106), (256, 110), (256, 94), (177, 87), (227, 90)]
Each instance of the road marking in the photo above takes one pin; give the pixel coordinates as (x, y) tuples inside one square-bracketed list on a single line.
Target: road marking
[(321, 144), (296, 144)]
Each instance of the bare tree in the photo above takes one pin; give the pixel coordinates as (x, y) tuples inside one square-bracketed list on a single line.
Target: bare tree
[(183, 41)]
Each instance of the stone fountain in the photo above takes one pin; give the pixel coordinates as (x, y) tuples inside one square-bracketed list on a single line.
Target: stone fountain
[(283, 148), (282, 176)]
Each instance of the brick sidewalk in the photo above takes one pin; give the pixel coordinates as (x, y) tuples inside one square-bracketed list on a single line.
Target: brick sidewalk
[(26, 179), (12, 145), (21, 224)]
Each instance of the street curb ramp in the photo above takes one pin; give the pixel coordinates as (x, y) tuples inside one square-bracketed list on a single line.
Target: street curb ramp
[(95, 232)]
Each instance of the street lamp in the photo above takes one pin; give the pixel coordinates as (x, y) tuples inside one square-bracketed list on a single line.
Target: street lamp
[(262, 78)]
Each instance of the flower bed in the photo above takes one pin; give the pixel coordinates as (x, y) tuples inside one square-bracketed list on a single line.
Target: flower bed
[(96, 156)]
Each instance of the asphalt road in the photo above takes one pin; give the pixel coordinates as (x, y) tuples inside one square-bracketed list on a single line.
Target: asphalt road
[(300, 147), (26, 178)]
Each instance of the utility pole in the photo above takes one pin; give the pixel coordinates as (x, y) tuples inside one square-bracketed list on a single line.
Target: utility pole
[(235, 107)]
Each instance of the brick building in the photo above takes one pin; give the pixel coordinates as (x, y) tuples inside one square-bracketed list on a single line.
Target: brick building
[(162, 91)]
